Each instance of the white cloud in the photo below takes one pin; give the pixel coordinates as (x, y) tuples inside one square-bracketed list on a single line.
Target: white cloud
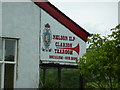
[(61, 0), (94, 17), (83, 0)]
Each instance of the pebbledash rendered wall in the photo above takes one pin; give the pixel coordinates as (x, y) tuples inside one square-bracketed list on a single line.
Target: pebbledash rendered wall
[(22, 20)]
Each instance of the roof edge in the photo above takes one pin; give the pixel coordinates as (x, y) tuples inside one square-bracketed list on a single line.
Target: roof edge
[(63, 19)]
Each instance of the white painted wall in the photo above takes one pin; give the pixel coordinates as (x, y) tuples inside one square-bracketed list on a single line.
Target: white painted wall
[(22, 20), (119, 12), (0, 29), (58, 29), (0, 18)]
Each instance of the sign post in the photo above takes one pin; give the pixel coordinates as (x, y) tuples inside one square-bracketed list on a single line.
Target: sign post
[(59, 77), (44, 76)]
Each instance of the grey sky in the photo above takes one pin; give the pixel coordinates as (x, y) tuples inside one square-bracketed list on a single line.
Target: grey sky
[(95, 17)]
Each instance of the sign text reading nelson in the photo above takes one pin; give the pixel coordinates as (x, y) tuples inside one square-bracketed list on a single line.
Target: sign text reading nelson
[(65, 48), (62, 47)]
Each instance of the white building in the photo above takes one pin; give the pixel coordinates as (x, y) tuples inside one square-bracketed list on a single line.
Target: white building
[(23, 44), (119, 12)]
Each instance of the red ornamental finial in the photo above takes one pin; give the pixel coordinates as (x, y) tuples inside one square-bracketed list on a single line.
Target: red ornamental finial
[(47, 25)]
